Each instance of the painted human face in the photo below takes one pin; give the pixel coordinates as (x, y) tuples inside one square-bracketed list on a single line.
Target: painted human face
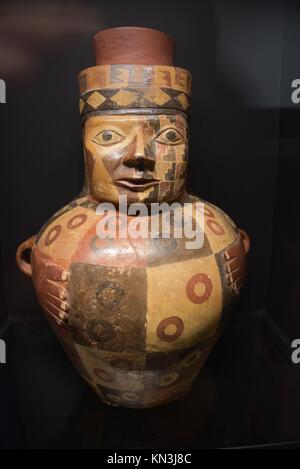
[(142, 157)]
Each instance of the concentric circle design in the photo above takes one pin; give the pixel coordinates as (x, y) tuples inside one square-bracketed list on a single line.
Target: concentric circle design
[(77, 221), (99, 329), (109, 295), (53, 234), (170, 329), (168, 378), (191, 286), (215, 227), (103, 375), (130, 396), (191, 358)]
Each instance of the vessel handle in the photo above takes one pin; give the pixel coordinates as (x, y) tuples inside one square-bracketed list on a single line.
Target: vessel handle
[(246, 240), (23, 265)]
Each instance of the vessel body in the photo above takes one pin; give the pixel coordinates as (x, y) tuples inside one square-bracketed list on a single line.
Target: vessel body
[(143, 314)]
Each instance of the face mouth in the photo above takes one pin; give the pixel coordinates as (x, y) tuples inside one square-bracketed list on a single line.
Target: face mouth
[(137, 184)]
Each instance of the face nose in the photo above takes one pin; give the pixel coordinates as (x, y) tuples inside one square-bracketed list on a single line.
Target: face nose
[(141, 157)]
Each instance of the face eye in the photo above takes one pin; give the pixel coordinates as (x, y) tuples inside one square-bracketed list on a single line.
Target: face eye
[(108, 137), (170, 136)]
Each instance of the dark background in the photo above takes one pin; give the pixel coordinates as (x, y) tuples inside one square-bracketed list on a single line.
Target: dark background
[(244, 157)]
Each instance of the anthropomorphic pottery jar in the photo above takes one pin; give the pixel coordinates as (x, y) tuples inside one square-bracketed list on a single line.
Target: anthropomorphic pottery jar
[(138, 315)]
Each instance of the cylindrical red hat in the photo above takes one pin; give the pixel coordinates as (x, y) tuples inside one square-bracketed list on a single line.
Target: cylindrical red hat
[(137, 46)]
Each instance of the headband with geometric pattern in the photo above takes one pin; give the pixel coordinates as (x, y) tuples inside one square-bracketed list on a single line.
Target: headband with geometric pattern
[(134, 87)]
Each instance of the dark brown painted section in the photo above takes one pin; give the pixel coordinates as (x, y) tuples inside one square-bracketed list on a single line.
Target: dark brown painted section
[(108, 307)]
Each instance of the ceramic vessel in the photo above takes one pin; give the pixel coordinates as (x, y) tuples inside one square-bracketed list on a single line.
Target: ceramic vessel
[(138, 316)]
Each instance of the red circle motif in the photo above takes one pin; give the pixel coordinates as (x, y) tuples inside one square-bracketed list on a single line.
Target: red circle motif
[(53, 235), (190, 288), (103, 375), (171, 321), (215, 227), (77, 221)]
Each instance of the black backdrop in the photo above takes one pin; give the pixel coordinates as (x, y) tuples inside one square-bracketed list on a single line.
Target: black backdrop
[(235, 51)]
